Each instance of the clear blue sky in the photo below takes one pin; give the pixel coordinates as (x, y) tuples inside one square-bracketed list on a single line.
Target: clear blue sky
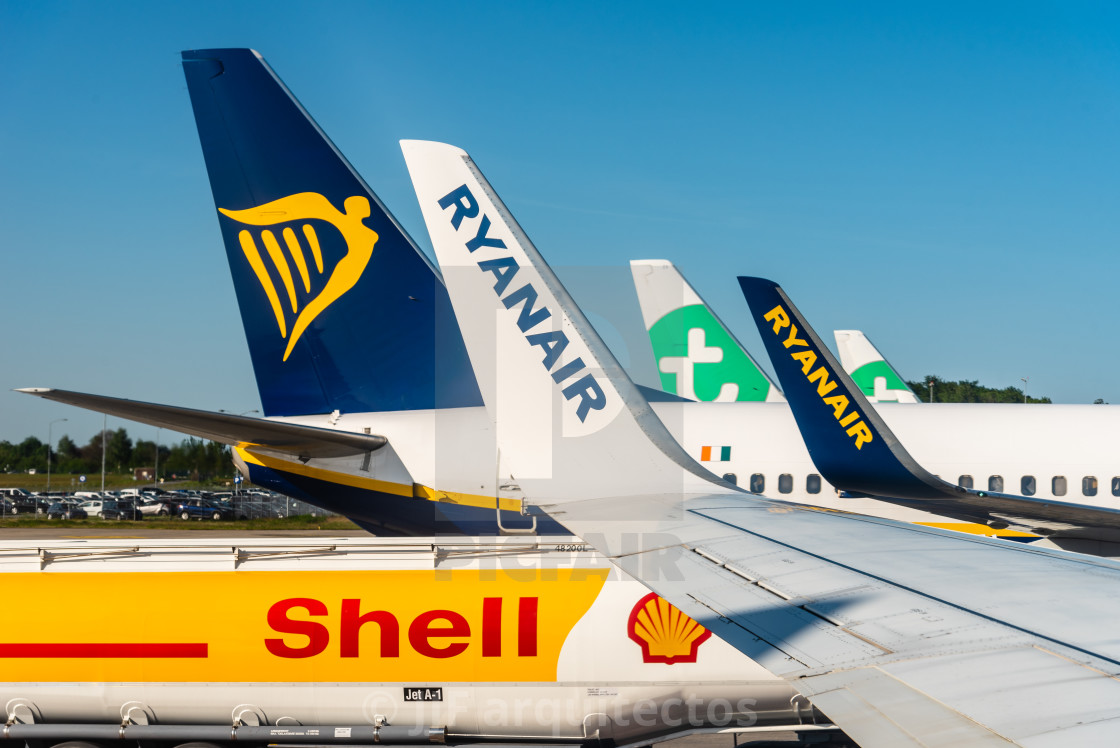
[(943, 176)]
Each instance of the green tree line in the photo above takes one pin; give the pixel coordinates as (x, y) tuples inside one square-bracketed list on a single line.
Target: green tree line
[(966, 391), (194, 458)]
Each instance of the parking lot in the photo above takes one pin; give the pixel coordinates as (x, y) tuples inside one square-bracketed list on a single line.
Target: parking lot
[(135, 505)]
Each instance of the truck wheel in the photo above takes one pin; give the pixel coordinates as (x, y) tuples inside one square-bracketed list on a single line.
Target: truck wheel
[(185, 516), (216, 516), (15, 511)]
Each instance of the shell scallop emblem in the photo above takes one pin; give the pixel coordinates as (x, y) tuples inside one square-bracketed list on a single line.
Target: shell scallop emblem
[(665, 634), (312, 287)]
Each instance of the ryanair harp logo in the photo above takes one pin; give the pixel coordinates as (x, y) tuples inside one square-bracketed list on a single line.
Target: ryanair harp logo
[(665, 634), (305, 305)]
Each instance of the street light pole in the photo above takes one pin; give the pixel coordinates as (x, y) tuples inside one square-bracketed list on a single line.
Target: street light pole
[(104, 430), (49, 442), (1024, 380)]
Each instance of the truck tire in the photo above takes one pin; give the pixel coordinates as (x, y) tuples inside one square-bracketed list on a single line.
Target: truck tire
[(185, 516)]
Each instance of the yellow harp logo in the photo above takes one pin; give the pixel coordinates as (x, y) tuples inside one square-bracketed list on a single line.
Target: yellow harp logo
[(305, 206)]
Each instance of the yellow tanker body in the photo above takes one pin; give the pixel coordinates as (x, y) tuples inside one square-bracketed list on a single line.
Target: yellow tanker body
[(358, 640)]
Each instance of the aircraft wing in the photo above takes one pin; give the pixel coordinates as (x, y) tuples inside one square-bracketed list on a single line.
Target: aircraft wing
[(854, 449), (902, 635), (303, 441)]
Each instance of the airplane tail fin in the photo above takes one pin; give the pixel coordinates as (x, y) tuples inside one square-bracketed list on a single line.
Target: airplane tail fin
[(563, 407), (341, 310), (697, 356), (848, 440), (870, 370)]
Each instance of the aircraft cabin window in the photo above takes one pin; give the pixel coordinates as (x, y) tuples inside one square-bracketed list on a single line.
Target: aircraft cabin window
[(758, 483), (1116, 486), (813, 483), (785, 483), (1089, 486), (731, 478), (1028, 485), (965, 481), (1058, 485), (995, 483)]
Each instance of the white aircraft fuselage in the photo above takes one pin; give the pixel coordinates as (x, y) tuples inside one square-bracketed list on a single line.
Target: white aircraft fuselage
[(1029, 448)]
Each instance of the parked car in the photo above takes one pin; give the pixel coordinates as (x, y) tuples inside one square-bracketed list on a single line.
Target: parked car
[(102, 509), (202, 509), (155, 507), (129, 510), (65, 510), (24, 506)]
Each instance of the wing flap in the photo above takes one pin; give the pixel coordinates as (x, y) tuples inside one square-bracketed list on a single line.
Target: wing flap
[(878, 710), (226, 428)]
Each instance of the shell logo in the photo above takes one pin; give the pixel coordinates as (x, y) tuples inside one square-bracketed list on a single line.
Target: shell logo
[(665, 634)]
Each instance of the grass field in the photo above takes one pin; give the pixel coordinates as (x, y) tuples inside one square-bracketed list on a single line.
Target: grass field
[(299, 522)]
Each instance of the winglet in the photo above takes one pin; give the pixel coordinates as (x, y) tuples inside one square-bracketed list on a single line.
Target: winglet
[(564, 408), (849, 442)]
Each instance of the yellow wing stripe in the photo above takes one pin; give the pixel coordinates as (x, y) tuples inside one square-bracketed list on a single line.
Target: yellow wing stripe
[(281, 264), (974, 528), (464, 499), (297, 256), (249, 247), (415, 490)]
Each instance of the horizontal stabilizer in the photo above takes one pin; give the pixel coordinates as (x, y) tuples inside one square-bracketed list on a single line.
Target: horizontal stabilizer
[(855, 451), (304, 441)]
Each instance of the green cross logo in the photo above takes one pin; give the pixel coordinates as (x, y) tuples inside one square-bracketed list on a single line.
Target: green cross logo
[(699, 360)]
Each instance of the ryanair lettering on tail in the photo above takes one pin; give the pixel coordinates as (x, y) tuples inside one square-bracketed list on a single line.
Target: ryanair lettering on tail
[(551, 342), (802, 352)]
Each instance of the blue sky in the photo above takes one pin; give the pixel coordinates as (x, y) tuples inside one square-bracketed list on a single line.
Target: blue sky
[(943, 176)]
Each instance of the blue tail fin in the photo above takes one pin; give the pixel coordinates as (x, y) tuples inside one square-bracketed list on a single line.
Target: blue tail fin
[(849, 442), (341, 309)]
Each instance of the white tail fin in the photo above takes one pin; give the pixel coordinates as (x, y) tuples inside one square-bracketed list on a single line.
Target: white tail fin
[(869, 370), (697, 356), (563, 407)]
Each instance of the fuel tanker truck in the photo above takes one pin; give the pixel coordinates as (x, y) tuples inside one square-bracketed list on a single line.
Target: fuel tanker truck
[(346, 641)]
